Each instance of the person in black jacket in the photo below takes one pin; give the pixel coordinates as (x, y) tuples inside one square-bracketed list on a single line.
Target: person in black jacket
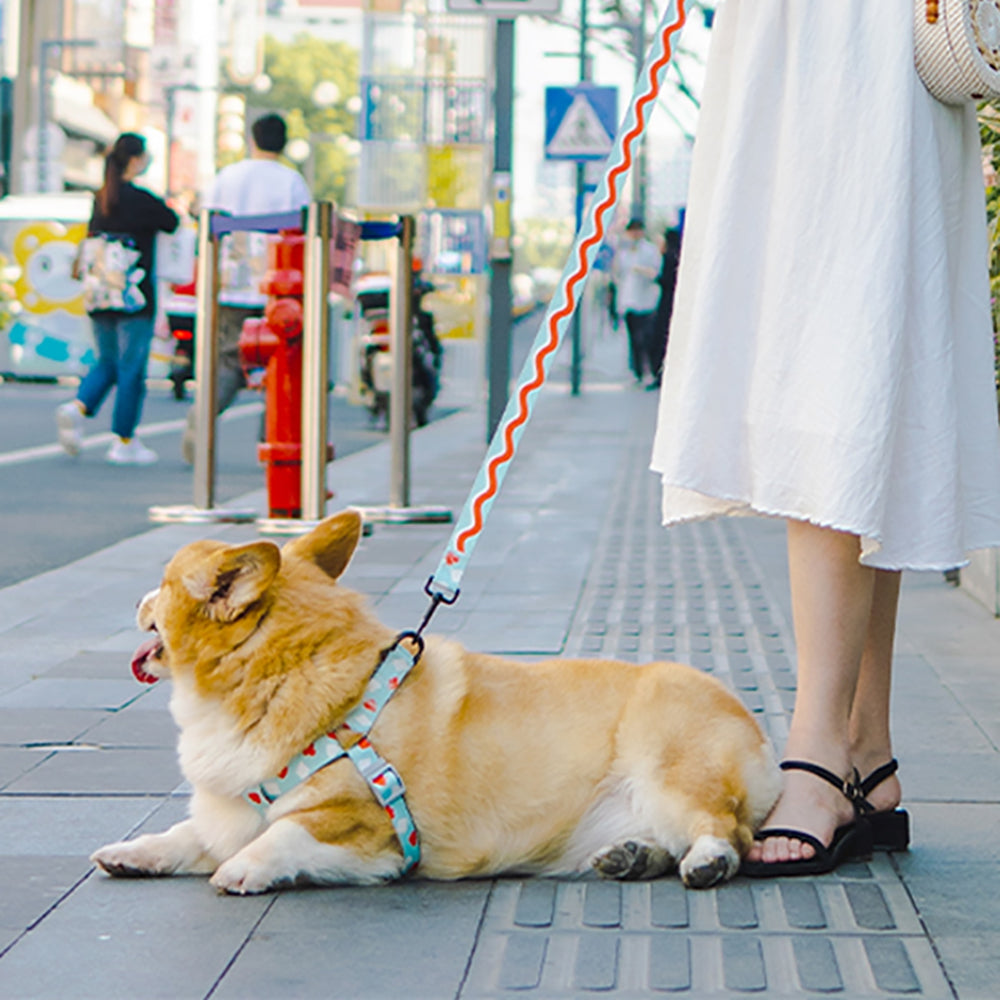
[(661, 325), (134, 216)]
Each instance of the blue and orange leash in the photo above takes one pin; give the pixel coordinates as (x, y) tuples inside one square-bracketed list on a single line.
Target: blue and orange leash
[(443, 586)]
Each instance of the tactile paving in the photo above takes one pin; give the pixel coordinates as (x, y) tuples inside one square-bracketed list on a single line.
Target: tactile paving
[(695, 594), (852, 934)]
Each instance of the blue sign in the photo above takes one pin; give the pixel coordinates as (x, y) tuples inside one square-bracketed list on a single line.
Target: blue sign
[(580, 122)]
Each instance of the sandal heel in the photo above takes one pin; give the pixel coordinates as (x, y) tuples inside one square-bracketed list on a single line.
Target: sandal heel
[(890, 830)]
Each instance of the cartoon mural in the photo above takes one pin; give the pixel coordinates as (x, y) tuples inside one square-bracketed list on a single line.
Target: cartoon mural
[(50, 335), (45, 251)]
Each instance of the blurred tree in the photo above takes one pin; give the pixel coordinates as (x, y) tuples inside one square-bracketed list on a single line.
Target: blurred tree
[(295, 70), (542, 243)]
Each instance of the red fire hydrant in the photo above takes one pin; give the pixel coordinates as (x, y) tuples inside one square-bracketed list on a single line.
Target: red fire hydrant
[(275, 342)]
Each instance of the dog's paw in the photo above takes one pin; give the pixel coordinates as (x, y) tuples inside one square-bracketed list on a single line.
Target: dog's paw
[(131, 859), (632, 860), (711, 860), (242, 876)]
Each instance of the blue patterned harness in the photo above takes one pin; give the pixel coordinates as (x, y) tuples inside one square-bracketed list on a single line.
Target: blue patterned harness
[(382, 778)]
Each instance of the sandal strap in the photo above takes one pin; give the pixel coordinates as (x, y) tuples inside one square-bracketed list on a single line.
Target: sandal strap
[(847, 786), (806, 838), (869, 784)]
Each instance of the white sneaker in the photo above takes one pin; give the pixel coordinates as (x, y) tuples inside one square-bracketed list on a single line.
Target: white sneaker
[(69, 424), (133, 452)]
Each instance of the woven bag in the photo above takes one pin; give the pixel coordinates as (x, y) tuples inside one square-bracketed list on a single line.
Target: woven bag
[(958, 48)]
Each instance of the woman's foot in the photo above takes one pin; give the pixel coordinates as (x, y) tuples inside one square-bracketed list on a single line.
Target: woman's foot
[(69, 424), (809, 804), (130, 451)]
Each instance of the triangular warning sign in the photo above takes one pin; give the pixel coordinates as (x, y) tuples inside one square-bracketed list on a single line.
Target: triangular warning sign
[(581, 132)]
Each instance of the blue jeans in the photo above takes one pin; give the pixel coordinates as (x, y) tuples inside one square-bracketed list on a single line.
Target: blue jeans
[(122, 354)]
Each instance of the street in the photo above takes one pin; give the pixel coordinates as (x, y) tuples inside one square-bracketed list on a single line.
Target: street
[(55, 509)]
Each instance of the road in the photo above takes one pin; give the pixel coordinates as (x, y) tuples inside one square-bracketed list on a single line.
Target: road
[(55, 509)]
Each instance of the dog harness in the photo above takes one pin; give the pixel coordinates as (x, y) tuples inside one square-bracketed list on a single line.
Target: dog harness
[(350, 739)]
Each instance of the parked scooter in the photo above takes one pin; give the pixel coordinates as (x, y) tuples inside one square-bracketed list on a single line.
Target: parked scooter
[(375, 357), (180, 309)]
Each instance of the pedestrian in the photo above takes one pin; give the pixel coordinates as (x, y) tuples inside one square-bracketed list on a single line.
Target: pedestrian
[(635, 267), (125, 220), (660, 327), (830, 363), (258, 185)]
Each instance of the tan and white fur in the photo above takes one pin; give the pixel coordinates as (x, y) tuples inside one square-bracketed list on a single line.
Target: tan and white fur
[(554, 767)]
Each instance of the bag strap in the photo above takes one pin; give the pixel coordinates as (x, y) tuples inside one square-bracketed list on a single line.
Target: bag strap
[(443, 586)]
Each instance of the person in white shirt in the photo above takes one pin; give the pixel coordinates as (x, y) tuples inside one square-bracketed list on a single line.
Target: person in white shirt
[(636, 267), (259, 185)]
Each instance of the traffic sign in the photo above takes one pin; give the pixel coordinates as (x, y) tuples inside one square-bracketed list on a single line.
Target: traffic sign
[(504, 8), (580, 122)]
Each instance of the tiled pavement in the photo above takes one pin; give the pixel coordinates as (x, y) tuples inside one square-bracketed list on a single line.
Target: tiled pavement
[(573, 560)]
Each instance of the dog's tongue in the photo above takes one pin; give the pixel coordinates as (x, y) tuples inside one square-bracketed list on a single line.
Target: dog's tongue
[(141, 656)]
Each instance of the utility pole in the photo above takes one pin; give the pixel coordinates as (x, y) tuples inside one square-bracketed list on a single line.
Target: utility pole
[(581, 182), (501, 251), (639, 179), (38, 19)]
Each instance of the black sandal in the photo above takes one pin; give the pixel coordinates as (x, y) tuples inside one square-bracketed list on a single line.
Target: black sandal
[(852, 840), (890, 827)]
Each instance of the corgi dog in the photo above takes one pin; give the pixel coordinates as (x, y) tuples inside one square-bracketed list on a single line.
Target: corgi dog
[(557, 767)]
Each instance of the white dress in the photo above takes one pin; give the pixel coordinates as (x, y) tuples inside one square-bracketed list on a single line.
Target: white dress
[(830, 355)]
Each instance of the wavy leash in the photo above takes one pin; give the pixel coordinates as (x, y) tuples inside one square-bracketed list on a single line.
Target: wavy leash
[(351, 739), (443, 585)]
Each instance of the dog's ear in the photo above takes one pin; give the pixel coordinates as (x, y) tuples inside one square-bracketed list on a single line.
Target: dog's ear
[(330, 544), (235, 577)]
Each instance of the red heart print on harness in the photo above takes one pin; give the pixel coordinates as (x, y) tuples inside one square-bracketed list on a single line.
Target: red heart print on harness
[(283, 773), (310, 751), (370, 705), (254, 797)]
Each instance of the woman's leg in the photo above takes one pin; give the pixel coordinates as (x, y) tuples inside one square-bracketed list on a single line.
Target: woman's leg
[(870, 739), (135, 335), (832, 602), (103, 374)]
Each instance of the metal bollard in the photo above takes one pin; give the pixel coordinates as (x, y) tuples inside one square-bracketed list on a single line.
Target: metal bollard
[(401, 348), (399, 510), (315, 360), (315, 452), (206, 391), (206, 326)]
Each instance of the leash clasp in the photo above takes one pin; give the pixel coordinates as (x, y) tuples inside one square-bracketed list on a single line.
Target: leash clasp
[(438, 597), (415, 637)]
